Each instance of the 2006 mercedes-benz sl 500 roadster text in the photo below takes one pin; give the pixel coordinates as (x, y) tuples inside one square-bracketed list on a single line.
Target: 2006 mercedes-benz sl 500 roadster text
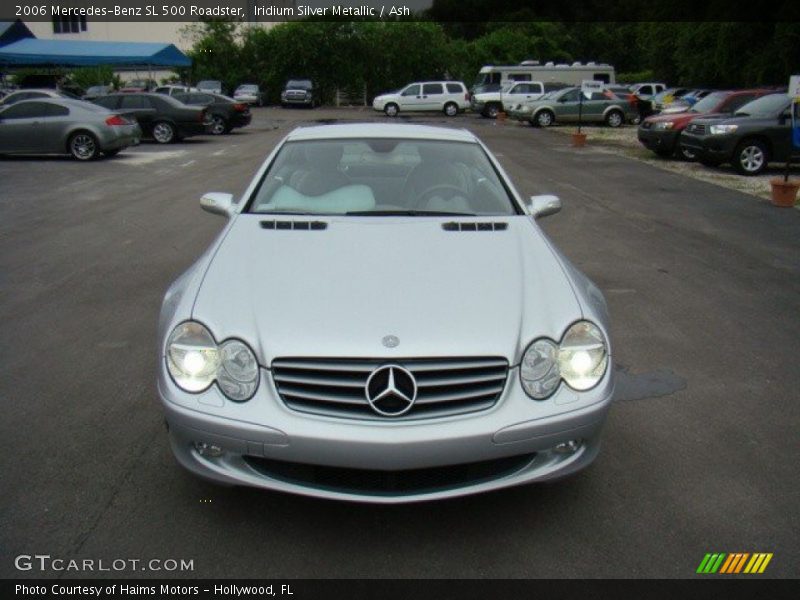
[(383, 320)]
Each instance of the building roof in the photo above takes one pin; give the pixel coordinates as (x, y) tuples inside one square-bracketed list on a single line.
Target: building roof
[(72, 53), (11, 31)]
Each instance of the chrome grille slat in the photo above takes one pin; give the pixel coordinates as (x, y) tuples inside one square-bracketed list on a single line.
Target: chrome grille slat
[(454, 380), (337, 387), (322, 380), (453, 396)]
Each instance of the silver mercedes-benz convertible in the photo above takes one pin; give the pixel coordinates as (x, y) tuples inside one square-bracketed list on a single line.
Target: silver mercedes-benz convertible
[(383, 320)]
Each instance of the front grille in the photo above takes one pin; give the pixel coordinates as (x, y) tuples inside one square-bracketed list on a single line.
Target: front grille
[(337, 387), (389, 483), (697, 128)]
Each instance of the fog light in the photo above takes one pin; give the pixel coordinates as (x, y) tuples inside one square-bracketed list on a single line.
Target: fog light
[(568, 447), (210, 450)]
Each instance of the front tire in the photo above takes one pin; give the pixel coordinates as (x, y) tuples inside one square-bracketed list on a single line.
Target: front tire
[(491, 111), (686, 154), (451, 109), (615, 118), (391, 109), (163, 132), (750, 158), (83, 146), (545, 118)]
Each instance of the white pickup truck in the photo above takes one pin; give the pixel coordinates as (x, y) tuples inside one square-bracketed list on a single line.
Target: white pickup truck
[(511, 94)]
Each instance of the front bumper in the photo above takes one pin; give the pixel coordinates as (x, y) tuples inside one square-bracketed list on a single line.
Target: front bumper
[(658, 140), (302, 101), (264, 429), (715, 148)]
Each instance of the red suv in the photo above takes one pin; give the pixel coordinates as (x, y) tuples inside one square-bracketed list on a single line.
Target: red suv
[(660, 133)]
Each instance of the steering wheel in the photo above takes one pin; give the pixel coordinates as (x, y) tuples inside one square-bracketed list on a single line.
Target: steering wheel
[(450, 192)]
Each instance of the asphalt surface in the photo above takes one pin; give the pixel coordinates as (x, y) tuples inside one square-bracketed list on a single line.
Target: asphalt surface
[(700, 451)]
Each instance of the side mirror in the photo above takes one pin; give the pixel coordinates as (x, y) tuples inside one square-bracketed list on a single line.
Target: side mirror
[(544, 205), (217, 203)]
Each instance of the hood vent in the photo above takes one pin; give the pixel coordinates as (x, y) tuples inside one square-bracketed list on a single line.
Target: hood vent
[(472, 226), (304, 225)]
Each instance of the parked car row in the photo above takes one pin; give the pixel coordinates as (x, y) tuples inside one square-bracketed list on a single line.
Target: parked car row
[(49, 122), (746, 128)]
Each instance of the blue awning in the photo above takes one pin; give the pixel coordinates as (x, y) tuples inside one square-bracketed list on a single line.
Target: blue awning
[(72, 53), (11, 31)]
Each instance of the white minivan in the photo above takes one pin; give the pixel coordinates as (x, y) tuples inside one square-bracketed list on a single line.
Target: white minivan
[(450, 97)]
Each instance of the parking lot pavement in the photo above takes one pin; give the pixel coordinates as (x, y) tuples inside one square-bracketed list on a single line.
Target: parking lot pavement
[(699, 452)]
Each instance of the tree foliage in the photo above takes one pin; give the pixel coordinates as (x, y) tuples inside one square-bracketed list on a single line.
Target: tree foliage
[(377, 56)]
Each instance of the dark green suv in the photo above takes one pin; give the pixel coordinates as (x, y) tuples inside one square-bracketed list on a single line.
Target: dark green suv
[(758, 133)]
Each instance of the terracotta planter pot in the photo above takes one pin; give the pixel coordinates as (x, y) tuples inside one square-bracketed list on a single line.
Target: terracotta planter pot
[(579, 140), (784, 193)]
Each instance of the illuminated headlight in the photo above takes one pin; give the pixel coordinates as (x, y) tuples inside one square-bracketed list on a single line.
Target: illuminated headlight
[(582, 356), (663, 126), (723, 129), (580, 360), (195, 361)]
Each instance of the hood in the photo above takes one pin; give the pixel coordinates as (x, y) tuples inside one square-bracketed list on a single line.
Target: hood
[(337, 292)]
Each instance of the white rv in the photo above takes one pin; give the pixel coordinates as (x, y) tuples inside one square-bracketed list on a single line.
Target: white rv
[(492, 78)]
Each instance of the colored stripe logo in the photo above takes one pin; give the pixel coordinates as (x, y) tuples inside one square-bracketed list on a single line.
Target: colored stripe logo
[(734, 563)]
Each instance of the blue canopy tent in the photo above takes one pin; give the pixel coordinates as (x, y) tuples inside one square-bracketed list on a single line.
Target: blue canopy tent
[(11, 31), (32, 52)]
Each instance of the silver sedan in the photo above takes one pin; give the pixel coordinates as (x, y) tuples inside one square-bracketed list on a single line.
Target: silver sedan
[(62, 126), (383, 320)]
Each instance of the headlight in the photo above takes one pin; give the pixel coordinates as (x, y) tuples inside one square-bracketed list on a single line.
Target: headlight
[(582, 356), (580, 360), (539, 369), (722, 129), (238, 371), (192, 356), (195, 361), (663, 126)]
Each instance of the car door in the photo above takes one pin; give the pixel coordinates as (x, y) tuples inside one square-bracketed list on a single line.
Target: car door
[(411, 97), (594, 106), (433, 96), (52, 128), (567, 106), (20, 128)]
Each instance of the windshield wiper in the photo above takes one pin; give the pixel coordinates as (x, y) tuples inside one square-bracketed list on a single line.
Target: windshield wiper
[(407, 213)]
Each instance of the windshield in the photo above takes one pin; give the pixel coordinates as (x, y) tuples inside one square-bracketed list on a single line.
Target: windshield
[(382, 177), (298, 84), (766, 105), (708, 103), (208, 84), (247, 88)]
